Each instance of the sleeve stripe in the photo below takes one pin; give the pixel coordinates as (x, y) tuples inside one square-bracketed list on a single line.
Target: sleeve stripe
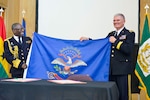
[(16, 63)]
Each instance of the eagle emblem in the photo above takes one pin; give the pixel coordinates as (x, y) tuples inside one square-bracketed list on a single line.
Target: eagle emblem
[(69, 61)]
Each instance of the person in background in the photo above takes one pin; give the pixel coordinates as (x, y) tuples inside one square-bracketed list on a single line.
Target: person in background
[(16, 49), (122, 41)]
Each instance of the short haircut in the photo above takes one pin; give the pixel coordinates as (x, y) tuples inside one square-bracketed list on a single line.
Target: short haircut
[(14, 25), (120, 14)]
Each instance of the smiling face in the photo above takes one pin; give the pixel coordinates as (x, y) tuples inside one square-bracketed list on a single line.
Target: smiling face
[(118, 21)]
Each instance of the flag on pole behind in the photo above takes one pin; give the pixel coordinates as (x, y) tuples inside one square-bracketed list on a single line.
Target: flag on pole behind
[(4, 66), (52, 58), (24, 26), (142, 69)]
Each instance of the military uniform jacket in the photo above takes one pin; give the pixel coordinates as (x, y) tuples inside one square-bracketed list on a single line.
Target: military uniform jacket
[(16, 54), (121, 50)]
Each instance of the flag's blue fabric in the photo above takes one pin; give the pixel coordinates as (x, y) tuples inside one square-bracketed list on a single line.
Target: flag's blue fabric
[(24, 26), (52, 58)]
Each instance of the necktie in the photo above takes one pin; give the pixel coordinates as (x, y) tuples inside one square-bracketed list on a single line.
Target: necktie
[(19, 40), (116, 34)]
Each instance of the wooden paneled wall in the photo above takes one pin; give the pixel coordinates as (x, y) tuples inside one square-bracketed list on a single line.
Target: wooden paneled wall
[(30, 8), (143, 13), (3, 3), (13, 13)]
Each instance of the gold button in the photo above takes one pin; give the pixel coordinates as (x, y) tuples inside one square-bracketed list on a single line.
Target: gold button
[(112, 51)]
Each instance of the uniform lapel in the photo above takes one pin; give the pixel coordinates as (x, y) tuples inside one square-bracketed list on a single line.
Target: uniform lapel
[(122, 32)]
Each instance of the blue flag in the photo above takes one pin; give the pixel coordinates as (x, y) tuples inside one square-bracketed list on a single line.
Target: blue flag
[(24, 26), (52, 58)]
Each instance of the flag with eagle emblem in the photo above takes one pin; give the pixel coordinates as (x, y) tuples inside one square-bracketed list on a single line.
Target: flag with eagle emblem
[(53, 58)]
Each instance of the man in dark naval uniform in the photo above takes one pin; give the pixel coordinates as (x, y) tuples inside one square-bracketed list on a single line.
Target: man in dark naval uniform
[(16, 49), (121, 58)]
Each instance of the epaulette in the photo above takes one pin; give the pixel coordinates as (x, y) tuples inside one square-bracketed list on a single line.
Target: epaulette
[(7, 39), (29, 41), (131, 31)]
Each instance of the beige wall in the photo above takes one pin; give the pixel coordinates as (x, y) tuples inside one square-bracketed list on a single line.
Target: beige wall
[(13, 13)]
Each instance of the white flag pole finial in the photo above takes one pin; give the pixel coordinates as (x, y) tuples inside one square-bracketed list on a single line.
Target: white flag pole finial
[(146, 8), (23, 13), (1, 11)]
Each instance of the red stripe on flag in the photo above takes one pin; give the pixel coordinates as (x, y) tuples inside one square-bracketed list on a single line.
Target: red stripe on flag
[(2, 29)]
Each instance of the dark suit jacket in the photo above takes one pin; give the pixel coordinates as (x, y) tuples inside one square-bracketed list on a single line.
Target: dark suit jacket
[(16, 54), (121, 57)]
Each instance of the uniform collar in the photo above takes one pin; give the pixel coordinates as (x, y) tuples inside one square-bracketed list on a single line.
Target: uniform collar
[(16, 38), (118, 31)]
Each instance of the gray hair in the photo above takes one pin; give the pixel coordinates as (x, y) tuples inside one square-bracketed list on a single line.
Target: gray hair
[(120, 14)]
